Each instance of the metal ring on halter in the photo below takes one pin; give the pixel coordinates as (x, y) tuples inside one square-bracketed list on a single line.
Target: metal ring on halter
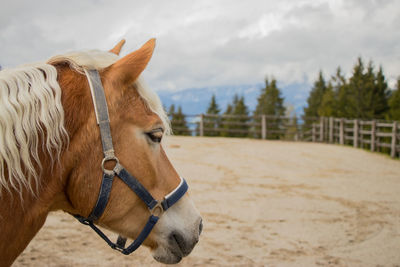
[(157, 210), (109, 158)]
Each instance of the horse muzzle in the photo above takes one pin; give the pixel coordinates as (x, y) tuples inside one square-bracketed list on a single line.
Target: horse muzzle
[(178, 233)]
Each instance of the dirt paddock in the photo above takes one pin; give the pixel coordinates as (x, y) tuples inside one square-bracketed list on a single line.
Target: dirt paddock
[(264, 203)]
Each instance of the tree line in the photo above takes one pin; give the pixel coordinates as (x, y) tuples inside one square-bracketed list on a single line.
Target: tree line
[(364, 95), (236, 120)]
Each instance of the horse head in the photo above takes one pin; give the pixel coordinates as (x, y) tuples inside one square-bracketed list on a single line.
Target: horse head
[(138, 124)]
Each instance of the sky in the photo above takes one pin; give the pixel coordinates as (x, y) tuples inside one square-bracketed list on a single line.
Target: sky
[(211, 42)]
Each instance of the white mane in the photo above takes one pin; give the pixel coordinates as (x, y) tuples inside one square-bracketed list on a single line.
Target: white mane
[(31, 110)]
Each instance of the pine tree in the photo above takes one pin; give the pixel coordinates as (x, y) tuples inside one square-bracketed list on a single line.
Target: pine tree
[(341, 89), (368, 93), (365, 95), (229, 121), (361, 86), (269, 102), (329, 102), (241, 111), (236, 118), (380, 96), (356, 91), (394, 103), (171, 116), (171, 111), (314, 100), (213, 106), (178, 121), (225, 121), (212, 122)]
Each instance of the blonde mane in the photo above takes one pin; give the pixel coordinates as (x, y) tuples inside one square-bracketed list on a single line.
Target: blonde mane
[(31, 110)]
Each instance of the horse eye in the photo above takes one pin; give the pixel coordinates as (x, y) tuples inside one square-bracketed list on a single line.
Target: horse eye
[(155, 135)]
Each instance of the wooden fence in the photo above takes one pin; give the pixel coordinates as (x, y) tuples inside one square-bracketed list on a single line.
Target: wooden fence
[(375, 135)]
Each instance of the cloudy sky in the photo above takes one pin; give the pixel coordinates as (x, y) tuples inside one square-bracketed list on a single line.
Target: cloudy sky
[(211, 43)]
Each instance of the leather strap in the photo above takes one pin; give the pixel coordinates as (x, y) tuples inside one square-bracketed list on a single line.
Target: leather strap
[(175, 195), (137, 187), (101, 110), (103, 197)]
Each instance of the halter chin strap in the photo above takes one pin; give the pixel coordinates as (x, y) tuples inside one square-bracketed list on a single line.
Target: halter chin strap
[(155, 207)]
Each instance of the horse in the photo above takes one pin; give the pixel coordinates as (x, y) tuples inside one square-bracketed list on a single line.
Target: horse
[(55, 154)]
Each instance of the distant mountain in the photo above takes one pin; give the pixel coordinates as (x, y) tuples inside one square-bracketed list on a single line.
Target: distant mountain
[(196, 100)]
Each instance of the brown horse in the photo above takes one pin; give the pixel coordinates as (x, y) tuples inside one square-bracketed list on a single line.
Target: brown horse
[(51, 152)]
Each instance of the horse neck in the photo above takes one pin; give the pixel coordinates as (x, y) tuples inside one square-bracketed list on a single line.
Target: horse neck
[(21, 220), (22, 215)]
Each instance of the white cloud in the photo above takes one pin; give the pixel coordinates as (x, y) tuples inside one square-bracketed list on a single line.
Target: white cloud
[(209, 43), (263, 27)]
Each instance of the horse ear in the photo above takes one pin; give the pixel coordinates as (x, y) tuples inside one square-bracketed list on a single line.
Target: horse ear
[(128, 68), (117, 48)]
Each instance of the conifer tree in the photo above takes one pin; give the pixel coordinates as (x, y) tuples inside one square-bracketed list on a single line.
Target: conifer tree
[(329, 102), (365, 95), (380, 96), (226, 120), (361, 86), (178, 121), (171, 111), (229, 121), (269, 102), (368, 92), (171, 116), (394, 103), (241, 111), (212, 122), (236, 118), (213, 106), (341, 89), (356, 90), (314, 100)]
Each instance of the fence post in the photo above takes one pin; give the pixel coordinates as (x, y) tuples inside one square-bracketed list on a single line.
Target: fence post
[(393, 146), (355, 133), (263, 127), (201, 124), (341, 132), (313, 132), (330, 129), (326, 131), (321, 129), (373, 129)]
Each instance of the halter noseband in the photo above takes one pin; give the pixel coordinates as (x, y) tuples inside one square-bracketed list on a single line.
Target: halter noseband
[(156, 208)]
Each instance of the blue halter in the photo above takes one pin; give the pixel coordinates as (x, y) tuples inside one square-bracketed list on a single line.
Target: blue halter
[(156, 208)]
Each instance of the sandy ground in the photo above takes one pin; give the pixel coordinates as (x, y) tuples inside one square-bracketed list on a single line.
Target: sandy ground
[(264, 203)]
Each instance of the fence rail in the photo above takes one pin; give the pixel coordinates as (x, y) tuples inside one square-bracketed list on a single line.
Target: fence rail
[(375, 135)]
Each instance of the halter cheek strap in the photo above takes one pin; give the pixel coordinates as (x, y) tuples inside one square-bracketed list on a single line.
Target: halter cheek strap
[(155, 207)]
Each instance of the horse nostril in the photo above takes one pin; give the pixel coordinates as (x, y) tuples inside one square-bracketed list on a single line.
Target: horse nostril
[(200, 226), (178, 241)]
